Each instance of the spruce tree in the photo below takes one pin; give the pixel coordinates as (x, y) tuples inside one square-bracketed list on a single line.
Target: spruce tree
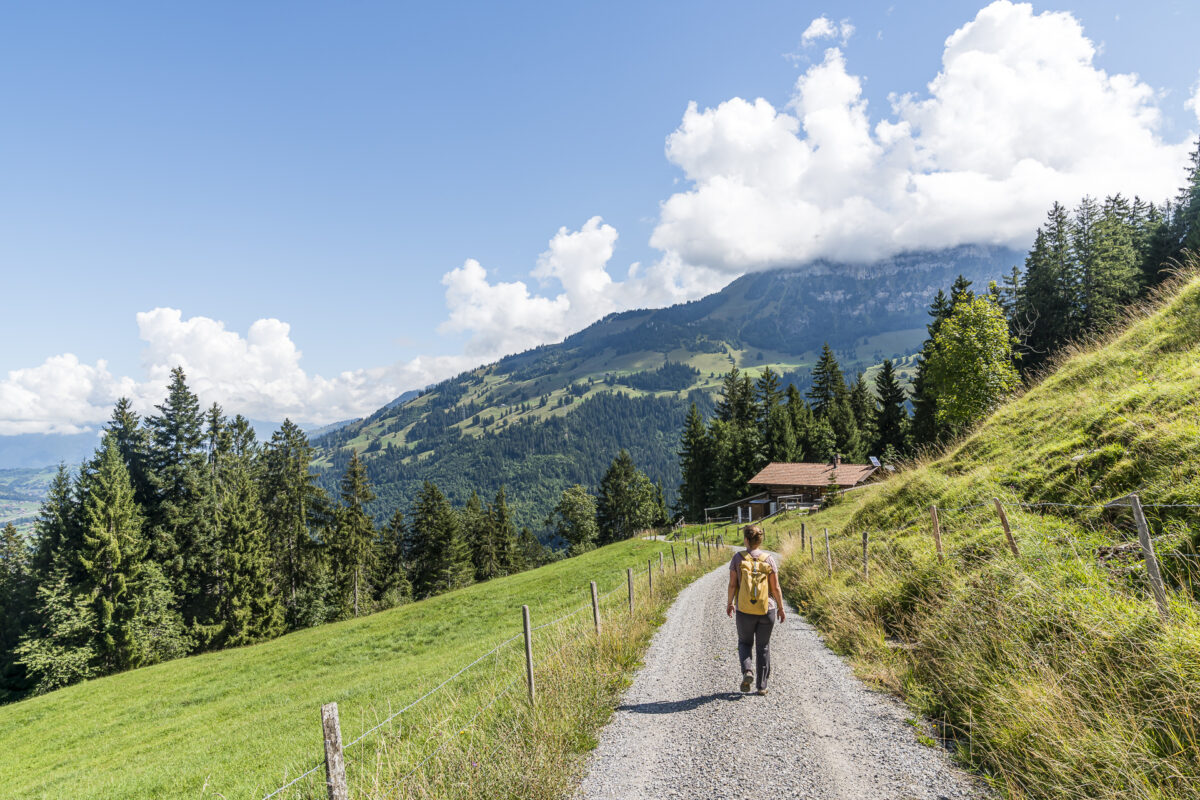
[(248, 608), (891, 419), (60, 648), (16, 605), (182, 538), (296, 509), (133, 440), (352, 550), (800, 417), (862, 403), (779, 437), (768, 394), (827, 383), (436, 547), (391, 573), (695, 465), (111, 555), (533, 552), (504, 534), (480, 541), (56, 531)]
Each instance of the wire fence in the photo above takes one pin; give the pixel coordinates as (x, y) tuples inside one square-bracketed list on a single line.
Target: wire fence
[(639, 589), (1116, 540)]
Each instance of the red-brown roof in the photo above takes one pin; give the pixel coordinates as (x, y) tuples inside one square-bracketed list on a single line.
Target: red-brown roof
[(808, 474)]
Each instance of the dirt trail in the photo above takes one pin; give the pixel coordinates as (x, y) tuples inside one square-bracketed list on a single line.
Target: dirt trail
[(684, 730)]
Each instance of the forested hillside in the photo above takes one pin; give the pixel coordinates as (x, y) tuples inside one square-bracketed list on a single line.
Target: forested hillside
[(540, 421)]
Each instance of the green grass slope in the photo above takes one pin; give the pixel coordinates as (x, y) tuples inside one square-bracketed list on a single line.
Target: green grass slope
[(1050, 671), (238, 723)]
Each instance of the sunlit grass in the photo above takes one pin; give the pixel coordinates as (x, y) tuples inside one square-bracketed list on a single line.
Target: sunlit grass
[(1051, 672)]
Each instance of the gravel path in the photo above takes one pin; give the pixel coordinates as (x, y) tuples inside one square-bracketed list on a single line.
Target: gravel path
[(684, 730)]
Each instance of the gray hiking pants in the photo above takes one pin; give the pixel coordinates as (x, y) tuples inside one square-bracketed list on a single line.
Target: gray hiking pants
[(754, 633)]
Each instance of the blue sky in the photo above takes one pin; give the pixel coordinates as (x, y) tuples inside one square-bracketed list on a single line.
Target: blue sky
[(325, 165)]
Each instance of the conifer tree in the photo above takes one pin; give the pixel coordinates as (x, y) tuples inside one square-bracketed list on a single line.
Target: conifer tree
[(891, 419), (352, 550), (391, 573), (60, 648), (824, 441), (850, 440), (827, 383), (695, 464), (133, 441), (296, 508), (56, 531), (504, 534), (768, 394), (248, 608), (626, 503), (779, 437), (862, 403), (111, 555), (480, 540), (436, 548), (182, 539), (16, 604), (800, 417), (533, 552)]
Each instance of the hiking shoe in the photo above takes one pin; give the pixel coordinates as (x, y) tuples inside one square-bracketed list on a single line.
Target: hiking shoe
[(762, 692), (747, 679)]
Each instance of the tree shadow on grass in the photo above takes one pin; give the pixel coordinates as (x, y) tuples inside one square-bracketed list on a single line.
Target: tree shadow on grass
[(675, 706)]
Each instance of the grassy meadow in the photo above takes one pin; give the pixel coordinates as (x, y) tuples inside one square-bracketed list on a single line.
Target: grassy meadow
[(239, 723), (1051, 672)]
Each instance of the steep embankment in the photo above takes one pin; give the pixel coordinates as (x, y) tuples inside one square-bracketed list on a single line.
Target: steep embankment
[(1051, 669)]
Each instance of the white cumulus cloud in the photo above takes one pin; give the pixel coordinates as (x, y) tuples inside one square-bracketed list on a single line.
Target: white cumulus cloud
[(258, 375), (824, 28), (507, 317), (1018, 116)]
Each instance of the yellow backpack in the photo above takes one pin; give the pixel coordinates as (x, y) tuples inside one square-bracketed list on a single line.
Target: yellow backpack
[(753, 584)]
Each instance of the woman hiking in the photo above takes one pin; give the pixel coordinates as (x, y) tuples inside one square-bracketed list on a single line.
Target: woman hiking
[(754, 593)]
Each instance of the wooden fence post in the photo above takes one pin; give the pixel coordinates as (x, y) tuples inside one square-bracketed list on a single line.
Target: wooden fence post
[(686, 550), (528, 650), (802, 536), (828, 557), (866, 569), (674, 563), (699, 553), (629, 580), (937, 533), (812, 550), (1012, 543), (335, 765), (650, 576), (1156, 581), (660, 562), (595, 608)]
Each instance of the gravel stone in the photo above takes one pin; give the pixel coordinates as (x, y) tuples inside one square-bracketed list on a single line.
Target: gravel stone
[(684, 730)]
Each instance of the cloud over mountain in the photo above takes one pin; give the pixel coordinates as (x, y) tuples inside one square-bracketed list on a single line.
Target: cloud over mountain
[(1018, 116)]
